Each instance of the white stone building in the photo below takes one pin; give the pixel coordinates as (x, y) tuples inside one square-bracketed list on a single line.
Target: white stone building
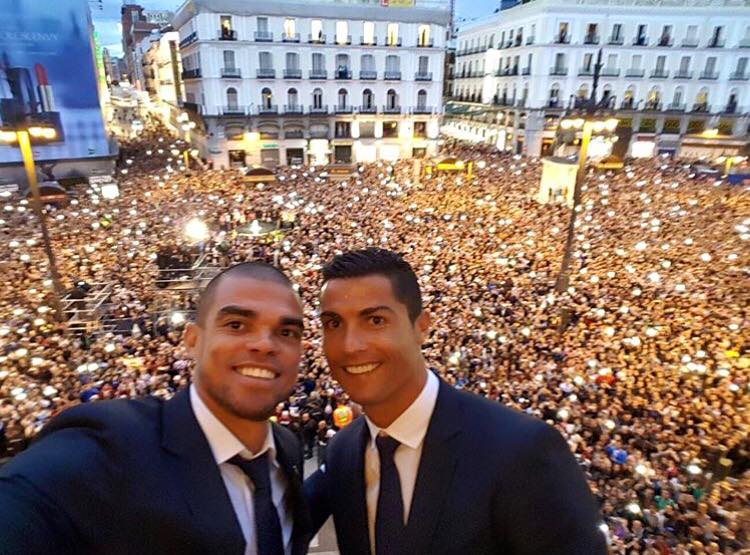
[(162, 71), (676, 71), (313, 82)]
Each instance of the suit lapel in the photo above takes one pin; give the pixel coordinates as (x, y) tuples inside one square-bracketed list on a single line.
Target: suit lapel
[(194, 465), (436, 471), (351, 511)]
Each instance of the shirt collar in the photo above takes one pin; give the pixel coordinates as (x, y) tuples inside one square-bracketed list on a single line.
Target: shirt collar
[(411, 427), (223, 443)]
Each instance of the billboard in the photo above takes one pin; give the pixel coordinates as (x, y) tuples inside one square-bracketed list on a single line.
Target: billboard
[(48, 75)]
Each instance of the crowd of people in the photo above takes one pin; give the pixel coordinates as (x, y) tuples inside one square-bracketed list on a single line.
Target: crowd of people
[(647, 377)]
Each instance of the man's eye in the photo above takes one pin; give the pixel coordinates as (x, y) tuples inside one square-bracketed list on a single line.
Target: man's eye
[(377, 320), (235, 325), (290, 332), (331, 324)]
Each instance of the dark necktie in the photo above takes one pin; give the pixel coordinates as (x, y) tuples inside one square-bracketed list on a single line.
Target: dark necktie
[(267, 523), (389, 518)]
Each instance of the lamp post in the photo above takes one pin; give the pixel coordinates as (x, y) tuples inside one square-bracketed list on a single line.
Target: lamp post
[(23, 136), (588, 122)]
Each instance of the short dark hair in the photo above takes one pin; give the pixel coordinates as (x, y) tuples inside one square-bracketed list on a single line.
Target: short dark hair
[(253, 269), (375, 261)]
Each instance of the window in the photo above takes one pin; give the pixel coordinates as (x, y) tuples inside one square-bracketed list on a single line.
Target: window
[(741, 66), (343, 98), (366, 129), (591, 33), (266, 98), (318, 62), (342, 129), (616, 32), (290, 28), (292, 60), (390, 129), (317, 98), (422, 99), (262, 25), (420, 129), (637, 61), (391, 99), (692, 33), (342, 32), (710, 65), (677, 98), (316, 30), (264, 60), (701, 100), (423, 35), (391, 38), (587, 62), (554, 95), (292, 98), (232, 99), (559, 61), (640, 39), (392, 64), (368, 99), (611, 61), (666, 36), (424, 65), (368, 36), (229, 59), (225, 21), (660, 63), (342, 66), (562, 31), (684, 65), (716, 38), (367, 62), (628, 97)]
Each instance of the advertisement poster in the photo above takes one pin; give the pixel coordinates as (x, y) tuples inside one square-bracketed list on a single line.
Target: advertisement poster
[(47, 74)]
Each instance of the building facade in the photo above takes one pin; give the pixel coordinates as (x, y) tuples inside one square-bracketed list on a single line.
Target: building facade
[(676, 71), (318, 82), (162, 70), (135, 27)]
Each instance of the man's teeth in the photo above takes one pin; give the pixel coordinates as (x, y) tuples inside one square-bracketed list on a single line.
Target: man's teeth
[(362, 369), (252, 372)]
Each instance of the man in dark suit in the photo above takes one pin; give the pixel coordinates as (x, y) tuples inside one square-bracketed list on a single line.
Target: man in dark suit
[(430, 469), (202, 473)]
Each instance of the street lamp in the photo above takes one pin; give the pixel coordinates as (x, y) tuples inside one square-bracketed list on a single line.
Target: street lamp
[(23, 135)]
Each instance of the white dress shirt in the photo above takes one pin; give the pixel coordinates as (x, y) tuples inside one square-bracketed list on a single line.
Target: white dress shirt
[(225, 445), (409, 429)]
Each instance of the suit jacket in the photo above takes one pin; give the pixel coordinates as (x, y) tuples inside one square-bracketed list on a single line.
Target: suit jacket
[(130, 477), (490, 480)]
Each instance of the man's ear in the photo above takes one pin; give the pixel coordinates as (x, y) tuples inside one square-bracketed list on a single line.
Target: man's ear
[(190, 337), (422, 326)]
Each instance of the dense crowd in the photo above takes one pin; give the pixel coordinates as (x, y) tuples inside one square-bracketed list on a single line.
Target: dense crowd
[(649, 380)]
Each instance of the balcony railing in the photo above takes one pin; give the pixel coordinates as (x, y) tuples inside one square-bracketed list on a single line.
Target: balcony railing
[(652, 106), (231, 73), (730, 109), (368, 75), (664, 41), (343, 40), (591, 39), (422, 110), (716, 43), (265, 73), (640, 41), (738, 76), (586, 71), (683, 75), (269, 109), (263, 36), (676, 107), (562, 39), (368, 109), (700, 107), (529, 40), (395, 42), (558, 71), (690, 43), (227, 34), (342, 74), (373, 41), (526, 71), (292, 74), (317, 110), (318, 74), (611, 72), (744, 43), (423, 76), (632, 72), (659, 74), (426, 43), (191, 73), (343, 109), (392, 76), (293, 109), (190, 39), (627, 104), (233, 110), (619, 40), (709, 75), (293, 37), (317, 39), (391, 109)]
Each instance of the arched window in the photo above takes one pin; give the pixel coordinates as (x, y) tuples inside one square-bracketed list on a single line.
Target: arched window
[(292, 98), (343, 98), (342, 66), (317, 97), (422, 99), (368, 99), (266, 98), (232, 99), (732, 101), (554, 95), (677, 98), (391, 99), (653, 101), (701, 101), (628, 98)]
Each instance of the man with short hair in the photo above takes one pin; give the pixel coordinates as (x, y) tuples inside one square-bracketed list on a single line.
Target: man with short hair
[(202, 473), (430, 469)]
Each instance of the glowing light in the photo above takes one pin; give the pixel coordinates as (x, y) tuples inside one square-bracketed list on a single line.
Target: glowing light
[(641, 246), (196, 230), (694, 469), (109, 348), (177, 318), (705, 257)]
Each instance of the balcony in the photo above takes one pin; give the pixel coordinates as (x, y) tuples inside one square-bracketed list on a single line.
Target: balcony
[(690, 43), (616, 40), (730, 109), (710, 75), (317, 110), (227, 34), (392, 76), (343, 109), (292, 74), (611, 72), (233, 110), (518, 41), (293, 37), (347, 40), (191, 73), (744, 43), (426, 43), (738, 76), (664, 41), (293, 109), (367, 75), (231, 73), (553, 103), (659, 74), (320, 38), (263, 36), (562, 39), (422, 110), (526, 71), (318, 74), (394, 41), (268, 109), (700, 107), (716, 43), (265, 73), (529, 41), (558, 71), (676, 107), (640, 41), (423, 76), (627, 104), (652, 106), (586, 71), (391, 110), (342, 74), (367, 109), (683, 74), (632, 72), (190, 39), (372, 41), (591, 39)]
